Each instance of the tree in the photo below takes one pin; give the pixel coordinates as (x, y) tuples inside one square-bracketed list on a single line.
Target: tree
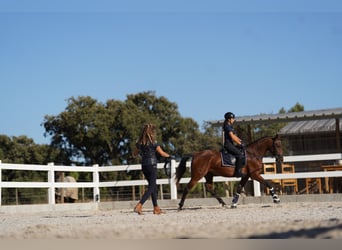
[(23, 150), (296, 108), (81, 131), (91, 132)]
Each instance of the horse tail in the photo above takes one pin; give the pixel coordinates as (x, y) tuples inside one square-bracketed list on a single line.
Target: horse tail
[(181, 168)]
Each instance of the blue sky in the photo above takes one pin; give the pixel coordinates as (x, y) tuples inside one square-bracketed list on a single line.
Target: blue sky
[(209, 57)]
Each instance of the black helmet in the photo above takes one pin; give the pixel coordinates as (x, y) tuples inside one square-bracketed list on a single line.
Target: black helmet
[(229, 115)]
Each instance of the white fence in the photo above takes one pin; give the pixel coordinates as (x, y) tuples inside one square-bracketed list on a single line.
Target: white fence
[(96, 184)]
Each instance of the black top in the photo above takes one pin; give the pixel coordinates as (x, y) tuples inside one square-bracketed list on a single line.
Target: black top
[(148, 153), (228, 128)]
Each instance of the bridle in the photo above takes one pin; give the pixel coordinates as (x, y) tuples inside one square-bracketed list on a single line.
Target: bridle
[(274, 151)]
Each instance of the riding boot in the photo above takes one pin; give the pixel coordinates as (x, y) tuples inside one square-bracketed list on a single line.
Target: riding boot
[(157, 210), (138, 209), (238, 171)]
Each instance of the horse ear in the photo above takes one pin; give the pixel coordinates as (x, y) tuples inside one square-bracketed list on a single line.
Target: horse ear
[(276, 137)]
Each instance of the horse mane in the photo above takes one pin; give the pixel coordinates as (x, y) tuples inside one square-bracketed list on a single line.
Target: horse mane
[(258, 140)]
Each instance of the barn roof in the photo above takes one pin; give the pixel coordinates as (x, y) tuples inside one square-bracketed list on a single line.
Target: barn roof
[(324, 114), (312, 126)]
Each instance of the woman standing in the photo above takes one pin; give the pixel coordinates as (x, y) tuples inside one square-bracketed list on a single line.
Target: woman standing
[(148, 147)]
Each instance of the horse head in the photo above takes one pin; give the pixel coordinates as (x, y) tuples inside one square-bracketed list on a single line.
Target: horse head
[(276, 148)]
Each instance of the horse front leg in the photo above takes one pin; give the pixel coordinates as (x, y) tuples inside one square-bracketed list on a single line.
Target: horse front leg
[(236, 196), (261, 180), (210, 188), (272, 193)]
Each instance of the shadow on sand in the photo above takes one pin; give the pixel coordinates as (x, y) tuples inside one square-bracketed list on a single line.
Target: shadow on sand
[(312, 233)]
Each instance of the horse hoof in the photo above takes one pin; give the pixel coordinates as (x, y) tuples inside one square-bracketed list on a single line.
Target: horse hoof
[(233, 206)]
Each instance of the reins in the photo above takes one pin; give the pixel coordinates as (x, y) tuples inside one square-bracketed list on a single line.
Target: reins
[(273, 151)]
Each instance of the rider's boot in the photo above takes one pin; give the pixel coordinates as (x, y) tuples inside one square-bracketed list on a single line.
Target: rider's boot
[(238, 172)]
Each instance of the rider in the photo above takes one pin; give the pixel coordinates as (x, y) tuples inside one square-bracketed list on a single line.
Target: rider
[(232, 143)]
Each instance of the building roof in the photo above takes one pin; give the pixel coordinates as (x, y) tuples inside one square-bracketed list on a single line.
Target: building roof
[(312, 126), (287, 117)]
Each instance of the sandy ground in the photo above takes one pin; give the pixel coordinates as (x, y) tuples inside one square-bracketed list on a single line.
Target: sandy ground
[(309, 220)]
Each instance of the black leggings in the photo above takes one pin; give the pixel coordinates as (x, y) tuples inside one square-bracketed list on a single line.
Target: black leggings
[(150, 173), (236, 152)]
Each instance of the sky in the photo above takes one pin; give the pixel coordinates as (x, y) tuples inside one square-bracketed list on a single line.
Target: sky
[(208, 57)]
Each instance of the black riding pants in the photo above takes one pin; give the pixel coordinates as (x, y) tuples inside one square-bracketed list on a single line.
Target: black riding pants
[(150, 173), (236, 152)]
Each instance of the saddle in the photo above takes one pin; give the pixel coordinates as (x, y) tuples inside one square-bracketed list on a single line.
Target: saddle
[(229, 160)]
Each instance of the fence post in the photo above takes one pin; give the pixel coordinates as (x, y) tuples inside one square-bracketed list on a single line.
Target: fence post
[(0, 183), (96, 181), (172, 181), (256, 187), (51, 180)]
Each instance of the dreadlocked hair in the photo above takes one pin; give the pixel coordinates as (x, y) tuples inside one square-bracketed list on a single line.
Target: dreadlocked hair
[(148, 134)]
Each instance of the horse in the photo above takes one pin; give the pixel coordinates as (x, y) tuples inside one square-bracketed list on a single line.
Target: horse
[(67, 195), (208, 163)]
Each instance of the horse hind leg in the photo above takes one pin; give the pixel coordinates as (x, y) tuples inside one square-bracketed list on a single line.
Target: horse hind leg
[(186, 190), (210, 188), (237, 194), (181, 203)]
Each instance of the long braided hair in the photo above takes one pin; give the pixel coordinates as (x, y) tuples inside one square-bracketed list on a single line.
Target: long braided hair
[(148, 134)]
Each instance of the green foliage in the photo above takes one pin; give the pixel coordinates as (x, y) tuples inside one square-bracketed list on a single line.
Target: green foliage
[(105, 133), (296, 108), (23, 150), (90, 132)]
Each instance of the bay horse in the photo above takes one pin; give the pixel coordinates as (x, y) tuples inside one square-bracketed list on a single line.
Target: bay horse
[(208, 163)]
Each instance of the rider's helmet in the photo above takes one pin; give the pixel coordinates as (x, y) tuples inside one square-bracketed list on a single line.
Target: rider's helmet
[(229, 115)]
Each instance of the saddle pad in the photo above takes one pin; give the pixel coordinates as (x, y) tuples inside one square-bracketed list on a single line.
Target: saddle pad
[(226, 160)]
